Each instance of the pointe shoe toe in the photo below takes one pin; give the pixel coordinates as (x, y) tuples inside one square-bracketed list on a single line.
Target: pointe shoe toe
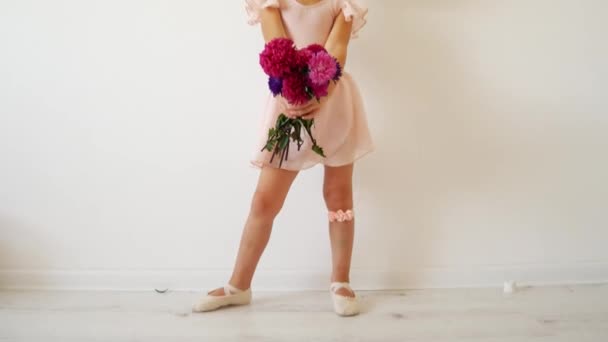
[(344, 305), (232, 296)]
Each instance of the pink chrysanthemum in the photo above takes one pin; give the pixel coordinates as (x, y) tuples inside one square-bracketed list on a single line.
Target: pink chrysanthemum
[(305, 54), (322, 68), (278, 57), (294, 89)]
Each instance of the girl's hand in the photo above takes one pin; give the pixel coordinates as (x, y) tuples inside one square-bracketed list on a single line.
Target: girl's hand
[(312, 109), (306, 111)]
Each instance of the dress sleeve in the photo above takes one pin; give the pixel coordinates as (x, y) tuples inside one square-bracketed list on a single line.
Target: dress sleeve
[(356, 12), (254, 7)]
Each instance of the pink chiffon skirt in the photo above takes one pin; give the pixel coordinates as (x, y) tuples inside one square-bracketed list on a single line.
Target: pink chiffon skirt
[(340, 128)]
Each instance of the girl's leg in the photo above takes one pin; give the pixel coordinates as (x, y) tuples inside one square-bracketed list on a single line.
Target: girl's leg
[(338, 194), (268, 198)]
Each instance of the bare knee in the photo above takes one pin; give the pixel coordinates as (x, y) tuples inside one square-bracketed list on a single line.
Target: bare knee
[(338, 195), (265, 206)]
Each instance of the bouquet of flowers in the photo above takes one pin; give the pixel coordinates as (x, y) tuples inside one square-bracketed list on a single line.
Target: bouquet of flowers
[(298, 76)]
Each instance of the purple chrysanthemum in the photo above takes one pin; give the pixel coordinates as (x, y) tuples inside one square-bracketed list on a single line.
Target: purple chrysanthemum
[(322, 68), (338, 71), (276, 85)]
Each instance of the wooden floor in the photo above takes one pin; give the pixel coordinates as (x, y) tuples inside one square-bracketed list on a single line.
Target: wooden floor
[(568, 314)]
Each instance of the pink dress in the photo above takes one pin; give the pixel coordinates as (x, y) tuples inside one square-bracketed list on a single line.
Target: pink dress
[(340, 126)]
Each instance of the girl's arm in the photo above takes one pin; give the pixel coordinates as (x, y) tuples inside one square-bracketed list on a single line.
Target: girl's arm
[(272, 27), (337, 43), (272, 24), (339, 37), (337, 46)]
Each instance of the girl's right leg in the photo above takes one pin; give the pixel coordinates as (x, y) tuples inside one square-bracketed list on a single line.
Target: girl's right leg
[(268, 198)]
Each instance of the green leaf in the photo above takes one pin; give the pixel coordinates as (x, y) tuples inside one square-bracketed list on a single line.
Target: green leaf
[(284, 142), (318, 150), (269, 145), (307, 124), (280, 120), (307, 127)]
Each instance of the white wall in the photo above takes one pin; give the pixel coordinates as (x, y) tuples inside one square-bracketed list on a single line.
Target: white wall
[(126, 127)]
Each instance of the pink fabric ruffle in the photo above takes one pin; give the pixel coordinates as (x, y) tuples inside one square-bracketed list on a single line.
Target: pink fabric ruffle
[(254, 7), (354, 11)]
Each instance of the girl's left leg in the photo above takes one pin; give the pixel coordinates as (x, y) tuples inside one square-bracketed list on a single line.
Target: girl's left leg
[(338, 195)]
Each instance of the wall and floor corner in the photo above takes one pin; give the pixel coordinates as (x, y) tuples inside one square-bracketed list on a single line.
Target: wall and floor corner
[(126, 127)]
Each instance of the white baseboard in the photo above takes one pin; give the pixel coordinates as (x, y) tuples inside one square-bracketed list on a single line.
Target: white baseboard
[(289, 280)]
